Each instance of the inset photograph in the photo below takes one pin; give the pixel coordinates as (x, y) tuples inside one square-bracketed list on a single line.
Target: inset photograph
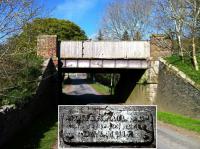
[(107, 126)]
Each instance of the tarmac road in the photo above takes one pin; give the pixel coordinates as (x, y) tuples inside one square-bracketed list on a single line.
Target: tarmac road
[(80, 87), (78, 92), (168, 136), (171, 137)]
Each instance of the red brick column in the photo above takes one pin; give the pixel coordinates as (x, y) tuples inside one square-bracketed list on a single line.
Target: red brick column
[(160, 47), (46, 46)]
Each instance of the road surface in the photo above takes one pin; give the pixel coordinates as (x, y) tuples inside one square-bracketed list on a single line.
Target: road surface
[(171, 137), (78, 86), (168, 136), (78, 92)]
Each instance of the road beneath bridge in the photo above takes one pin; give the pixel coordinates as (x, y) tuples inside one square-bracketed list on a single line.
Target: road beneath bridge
[(77, 91), (168, 136)]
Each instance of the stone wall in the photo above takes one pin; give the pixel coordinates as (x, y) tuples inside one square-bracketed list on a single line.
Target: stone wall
[(176, 92), (159, 47), (13, 119)]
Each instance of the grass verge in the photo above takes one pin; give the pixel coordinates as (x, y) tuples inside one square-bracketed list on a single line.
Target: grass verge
[(100, 88), (180, 121), (186, 67)]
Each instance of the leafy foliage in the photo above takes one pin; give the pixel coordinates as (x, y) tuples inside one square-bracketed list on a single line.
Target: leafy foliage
[(20, 67), (22, 80), (64, 29)]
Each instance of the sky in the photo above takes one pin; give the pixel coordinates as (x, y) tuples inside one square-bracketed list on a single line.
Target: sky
[(85, 13)]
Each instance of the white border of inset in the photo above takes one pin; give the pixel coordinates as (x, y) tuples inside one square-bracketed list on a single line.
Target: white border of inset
[(108, 105)]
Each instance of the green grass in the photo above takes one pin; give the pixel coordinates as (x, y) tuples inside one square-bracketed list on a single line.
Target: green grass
[(41, 134), (100, 88), (186, 67), (180, 121), (49, 138)]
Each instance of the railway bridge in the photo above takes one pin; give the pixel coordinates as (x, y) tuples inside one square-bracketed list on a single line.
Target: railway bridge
[(103, 56), (128, 58)]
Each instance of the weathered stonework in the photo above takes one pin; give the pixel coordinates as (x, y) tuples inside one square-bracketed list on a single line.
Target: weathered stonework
[(106, 124), (153, 72), (159, 47), (176, 92)]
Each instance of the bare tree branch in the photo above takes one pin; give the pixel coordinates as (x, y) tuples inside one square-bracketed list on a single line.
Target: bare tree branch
[(132, 16)]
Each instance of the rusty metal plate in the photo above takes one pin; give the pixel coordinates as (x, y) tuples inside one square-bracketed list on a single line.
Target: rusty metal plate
[(105, 124)]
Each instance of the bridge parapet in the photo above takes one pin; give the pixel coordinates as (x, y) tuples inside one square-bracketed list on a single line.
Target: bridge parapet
[(105, 49)]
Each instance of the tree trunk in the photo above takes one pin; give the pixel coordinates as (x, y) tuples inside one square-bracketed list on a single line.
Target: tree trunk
[(180, 47), (194, 58)]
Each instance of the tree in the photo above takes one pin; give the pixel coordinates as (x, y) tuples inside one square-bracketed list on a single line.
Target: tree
[(172, 17), (100, 35), (137, 36), (125, 36), (194, 9), (15, 14), (128, 15), (64, 29), (179, 20), (19, 65)]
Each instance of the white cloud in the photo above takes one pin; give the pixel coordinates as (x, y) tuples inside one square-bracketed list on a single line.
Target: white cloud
[(74, 9)]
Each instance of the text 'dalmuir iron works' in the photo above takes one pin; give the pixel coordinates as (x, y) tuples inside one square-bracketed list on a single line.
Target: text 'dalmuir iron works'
[(106, 124)]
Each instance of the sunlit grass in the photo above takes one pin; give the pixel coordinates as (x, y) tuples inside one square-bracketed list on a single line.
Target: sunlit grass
[(101, 88), (186, 67), (180, 121), (49, 138)]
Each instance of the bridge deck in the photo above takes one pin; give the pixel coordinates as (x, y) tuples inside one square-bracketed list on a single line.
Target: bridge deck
[(105, 54)]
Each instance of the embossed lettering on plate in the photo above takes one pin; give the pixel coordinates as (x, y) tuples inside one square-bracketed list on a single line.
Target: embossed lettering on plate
[(105, 124)]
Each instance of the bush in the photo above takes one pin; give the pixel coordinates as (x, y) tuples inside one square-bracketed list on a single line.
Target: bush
[(22, 81)]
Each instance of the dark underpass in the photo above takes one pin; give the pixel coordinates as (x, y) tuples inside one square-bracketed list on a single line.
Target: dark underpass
[(125, 85)]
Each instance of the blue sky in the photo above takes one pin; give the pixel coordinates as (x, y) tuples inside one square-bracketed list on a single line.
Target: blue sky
[(85, 13)]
